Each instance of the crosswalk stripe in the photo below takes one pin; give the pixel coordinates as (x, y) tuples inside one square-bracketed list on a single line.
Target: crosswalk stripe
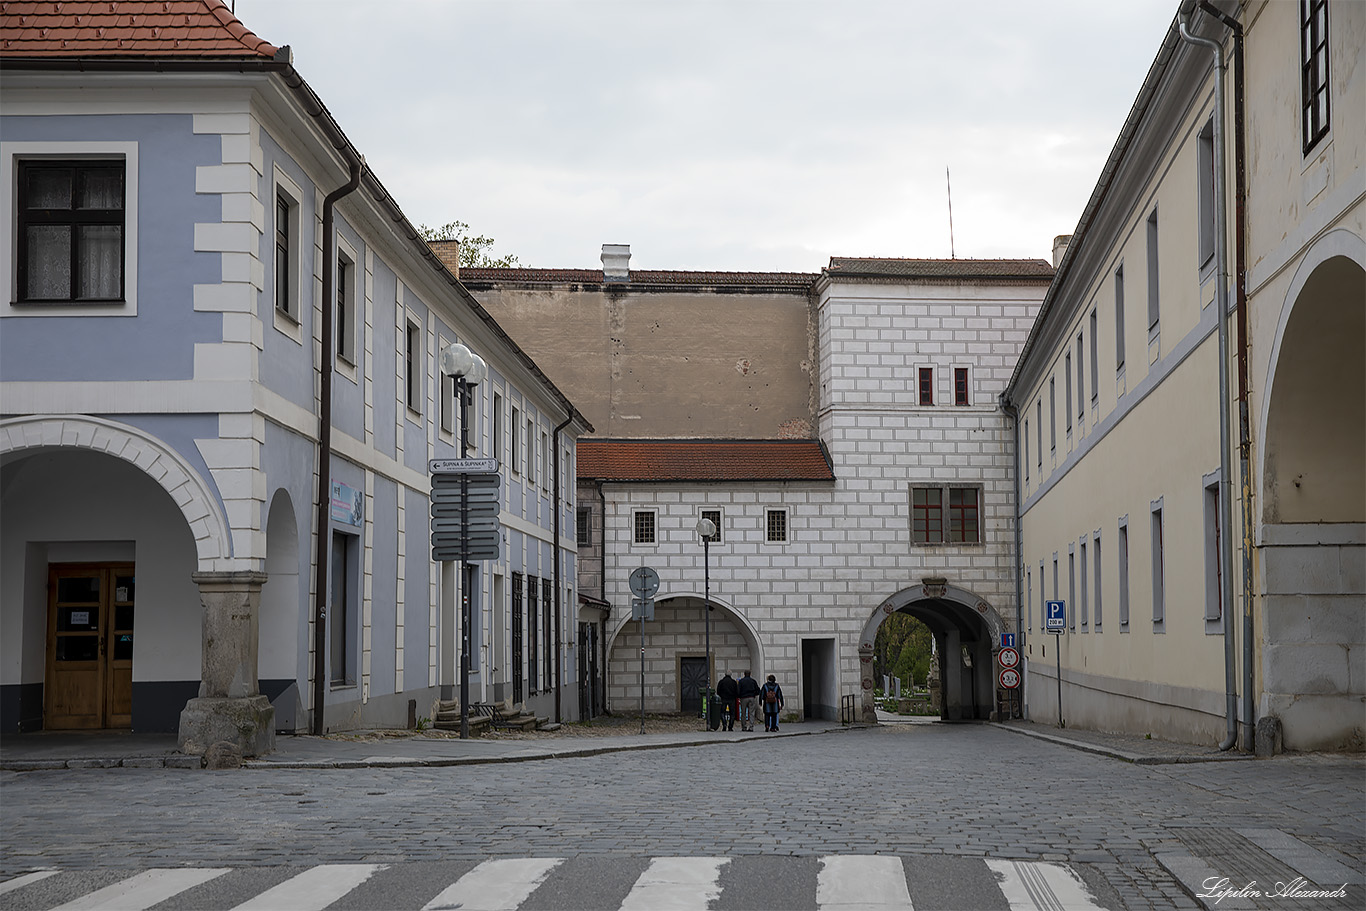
[(495, 885), (10, 885), (862, 882), (1041, 886), (676, 884), (314, 889), (144, 890)]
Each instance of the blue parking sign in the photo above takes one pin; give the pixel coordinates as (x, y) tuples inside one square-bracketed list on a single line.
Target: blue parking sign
[(1055, 616)]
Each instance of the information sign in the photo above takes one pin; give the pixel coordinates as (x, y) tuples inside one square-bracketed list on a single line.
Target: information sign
[(462, 466), (1055, 616)]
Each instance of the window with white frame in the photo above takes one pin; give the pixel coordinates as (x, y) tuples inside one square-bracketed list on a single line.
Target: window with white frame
[(1154, 308), (961, 387), (1067, 400), (1081, 383), (1159, 567), (946, 514), (1029, 598), (1084, 591), (413, 365), (643, 526), (497, 442), (1204, 177), (1026, 450), (584, 526), (1095, 576), (515, 456), (70, 231), (447, 402), (344, 315), (1123, 580), (775, 526), (1052, 415), (924, 384), (1095, 361), (1214, 602), (1313, 71), (715, 516), (1119, 317), (1071, 588), (285, 230), (1038, 429)]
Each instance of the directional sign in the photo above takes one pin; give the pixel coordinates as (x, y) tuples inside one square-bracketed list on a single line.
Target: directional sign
[(474, 525), (466, 479), (642, 608), (473, 539), (1009, 678), (1008, 657), (1055, 616), (462, 466), (444, 554), (474, 494), (473, 510)]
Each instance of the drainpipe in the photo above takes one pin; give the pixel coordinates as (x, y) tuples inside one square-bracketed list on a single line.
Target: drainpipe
[(555, 512), (602, 582), (325, 451), (1221, 313), (1009, 408), (1244, 424)]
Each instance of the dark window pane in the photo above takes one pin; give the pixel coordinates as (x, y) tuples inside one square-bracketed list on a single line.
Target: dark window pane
[(78, 589), (123, 617), (78, 619), (101, 188), (78, 648), (123, 647), (49, 262), (49, 188), (100, 263)]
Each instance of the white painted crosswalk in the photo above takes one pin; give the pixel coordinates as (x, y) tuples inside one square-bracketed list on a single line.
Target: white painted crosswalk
[(842, 883)]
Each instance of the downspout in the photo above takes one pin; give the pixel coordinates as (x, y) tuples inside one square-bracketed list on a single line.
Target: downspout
[(325, 452), (602, 582), (556, 518), (1221, 314), (1009, 408), (1244, 424)]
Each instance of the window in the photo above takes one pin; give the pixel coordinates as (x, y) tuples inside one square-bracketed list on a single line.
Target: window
[(1071, 588), (775, 526), (1052, 416), (341, 620), (1153, 310), (533, 454), (715, 516), (1124, 572), (1081, 384), (1204, 176), (1067, 402), (1038, 425), (344, 318), (412, 361), (1085, 619), (926, 385), (1026, 450), (497, 442), (518, 645), (1214, 601), (1029, 597), (927, 515), (447, 402), (547, 630), (515, 456), (644, 527), (960, 385), (533, 669), (1159, 580), (584, 526), (1314, 70), (70, 231), (1095, 364), (1095, 574), (548, 471), (286, 230), (1119, 318)]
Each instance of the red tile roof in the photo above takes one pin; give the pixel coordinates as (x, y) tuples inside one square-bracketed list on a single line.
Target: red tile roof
[(1015, 269), (702, 460), (656, 277), (126, 28)]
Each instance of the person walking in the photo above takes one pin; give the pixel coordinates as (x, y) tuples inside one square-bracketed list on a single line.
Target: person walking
[(729, 691), (749, 701), (772, 698)]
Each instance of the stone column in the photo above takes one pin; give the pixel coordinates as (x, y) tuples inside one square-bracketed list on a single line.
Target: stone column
[(230, 706), (867, 707)]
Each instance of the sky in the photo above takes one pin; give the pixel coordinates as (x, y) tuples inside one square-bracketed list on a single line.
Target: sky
[(750, 135)]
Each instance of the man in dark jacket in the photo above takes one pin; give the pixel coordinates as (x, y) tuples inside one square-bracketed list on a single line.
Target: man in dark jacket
[(749, 701), (772, 698), (728, 690)]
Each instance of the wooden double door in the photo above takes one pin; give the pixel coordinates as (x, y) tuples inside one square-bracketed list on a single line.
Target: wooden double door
[(89, 646)]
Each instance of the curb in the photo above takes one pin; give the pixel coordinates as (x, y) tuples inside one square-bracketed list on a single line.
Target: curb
[(1116, 753)]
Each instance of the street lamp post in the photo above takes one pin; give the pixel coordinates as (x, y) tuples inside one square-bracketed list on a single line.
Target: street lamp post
[(706, 528), (468, 370)]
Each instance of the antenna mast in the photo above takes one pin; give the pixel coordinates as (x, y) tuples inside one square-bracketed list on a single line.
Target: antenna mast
[(948, 183)]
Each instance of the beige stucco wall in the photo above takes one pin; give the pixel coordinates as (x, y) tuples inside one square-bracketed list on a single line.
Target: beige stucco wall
[(703, 363)]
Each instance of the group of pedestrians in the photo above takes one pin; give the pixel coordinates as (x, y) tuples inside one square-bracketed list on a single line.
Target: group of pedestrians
[(745, 696)]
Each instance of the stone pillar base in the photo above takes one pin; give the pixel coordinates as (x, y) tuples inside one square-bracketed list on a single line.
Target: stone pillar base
[(247, 722)]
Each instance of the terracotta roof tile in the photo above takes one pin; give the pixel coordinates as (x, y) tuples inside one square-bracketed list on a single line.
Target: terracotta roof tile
[(702, 460), (126, 29), (859, 266), (642, 277)]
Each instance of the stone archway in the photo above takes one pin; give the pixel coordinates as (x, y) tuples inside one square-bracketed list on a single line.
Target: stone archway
[(1311, 533), (963, 625), (676, 635)]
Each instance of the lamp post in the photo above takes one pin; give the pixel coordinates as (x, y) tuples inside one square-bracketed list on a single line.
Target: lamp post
[(705, 529), (468, 370)]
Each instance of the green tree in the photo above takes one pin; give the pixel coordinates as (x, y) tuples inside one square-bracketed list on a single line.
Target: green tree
[(902, 649), (475, 252)]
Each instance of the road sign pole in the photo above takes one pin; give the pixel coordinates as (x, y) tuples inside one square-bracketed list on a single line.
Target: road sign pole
[(1057, 651)]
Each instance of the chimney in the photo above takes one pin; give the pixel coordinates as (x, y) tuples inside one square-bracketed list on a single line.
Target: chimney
[(448, 251), (616, 262), (1060, 247)]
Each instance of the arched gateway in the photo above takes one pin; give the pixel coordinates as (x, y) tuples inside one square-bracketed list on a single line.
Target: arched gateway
[(966, 630)]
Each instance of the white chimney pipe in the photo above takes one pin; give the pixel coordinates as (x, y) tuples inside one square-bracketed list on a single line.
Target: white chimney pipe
[(616, 262)]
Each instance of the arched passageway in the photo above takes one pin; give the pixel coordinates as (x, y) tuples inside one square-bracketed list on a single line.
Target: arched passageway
[(966, 632), (1312, 534), (675, 655)]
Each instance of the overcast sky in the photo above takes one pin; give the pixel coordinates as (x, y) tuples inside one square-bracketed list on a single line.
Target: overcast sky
[(733, 134)]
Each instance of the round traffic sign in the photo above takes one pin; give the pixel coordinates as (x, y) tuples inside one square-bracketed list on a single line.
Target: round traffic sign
[(1008, 657), (1009, 678), (644, 582)]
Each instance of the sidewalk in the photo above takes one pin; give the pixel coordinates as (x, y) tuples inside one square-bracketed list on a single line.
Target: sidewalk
[(41, 751)]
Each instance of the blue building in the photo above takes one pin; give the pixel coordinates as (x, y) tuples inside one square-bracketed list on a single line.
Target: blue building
[(218, 317)]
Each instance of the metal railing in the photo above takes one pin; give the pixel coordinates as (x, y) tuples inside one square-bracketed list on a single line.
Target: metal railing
[(849, 708)]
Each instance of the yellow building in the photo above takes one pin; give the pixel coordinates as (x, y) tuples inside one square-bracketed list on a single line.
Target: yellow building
[(1207, 532)]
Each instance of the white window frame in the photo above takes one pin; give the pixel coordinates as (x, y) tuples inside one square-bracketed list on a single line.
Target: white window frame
[(11, 153), (414, 366), (1214, 604), (717, 515), (288, 322), (953, 385), (1154, 278), (934, 386), (1204, 181), (447, 406), (346, 361), (787, 525), (1122, 561), (515, 453), (1096, 579), (1159, 561), (654, 527)]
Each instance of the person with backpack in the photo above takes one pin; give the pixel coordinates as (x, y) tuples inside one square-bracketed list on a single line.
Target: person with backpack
[(728, 690), (771, 695), (749, 701)]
